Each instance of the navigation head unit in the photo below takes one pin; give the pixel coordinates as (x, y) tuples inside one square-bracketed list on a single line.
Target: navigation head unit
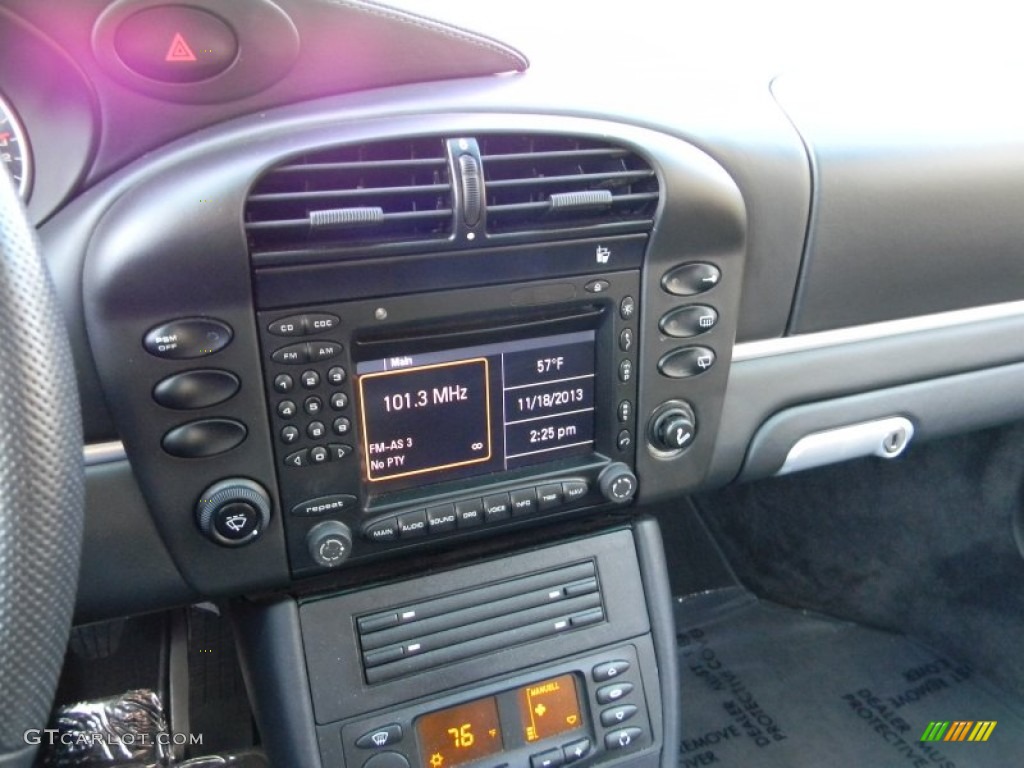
[(451, 414)]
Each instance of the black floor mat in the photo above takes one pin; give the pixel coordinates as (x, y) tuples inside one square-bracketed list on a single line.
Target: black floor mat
[(771, 687)]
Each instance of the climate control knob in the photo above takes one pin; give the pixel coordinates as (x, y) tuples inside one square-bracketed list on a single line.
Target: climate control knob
[(329, 543), (618, 483), (233, 512)]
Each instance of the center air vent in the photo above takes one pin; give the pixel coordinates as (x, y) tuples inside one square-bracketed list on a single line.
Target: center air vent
[(558, 183), (353, 196)]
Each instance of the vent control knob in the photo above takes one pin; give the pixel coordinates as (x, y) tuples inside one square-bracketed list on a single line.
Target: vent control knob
[(618, 483), (233, 512), (329, 543)]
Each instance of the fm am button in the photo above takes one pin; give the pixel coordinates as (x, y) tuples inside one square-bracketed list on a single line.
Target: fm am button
[(176, 44)]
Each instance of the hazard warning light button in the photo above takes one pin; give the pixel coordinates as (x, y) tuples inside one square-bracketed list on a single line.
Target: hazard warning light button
[(176, 44)]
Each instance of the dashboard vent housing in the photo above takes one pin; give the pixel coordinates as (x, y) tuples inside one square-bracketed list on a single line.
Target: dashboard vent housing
[(548, 183), (352, 196)]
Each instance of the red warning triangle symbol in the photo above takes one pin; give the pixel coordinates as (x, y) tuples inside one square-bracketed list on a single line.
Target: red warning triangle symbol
[(179, 50)]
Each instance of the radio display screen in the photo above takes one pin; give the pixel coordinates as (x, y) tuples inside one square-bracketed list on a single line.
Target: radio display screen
[(487, 408)]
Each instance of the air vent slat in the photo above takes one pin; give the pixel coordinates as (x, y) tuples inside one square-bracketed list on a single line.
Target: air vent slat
[(565, 185), (352, 197)]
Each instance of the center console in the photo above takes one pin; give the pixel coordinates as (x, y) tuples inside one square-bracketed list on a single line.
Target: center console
[(558, 655)]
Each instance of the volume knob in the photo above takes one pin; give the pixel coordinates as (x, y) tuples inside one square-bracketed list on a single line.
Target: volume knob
[(233, 512)]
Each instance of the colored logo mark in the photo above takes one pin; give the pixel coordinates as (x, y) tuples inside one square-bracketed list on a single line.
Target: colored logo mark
[(959, 730)]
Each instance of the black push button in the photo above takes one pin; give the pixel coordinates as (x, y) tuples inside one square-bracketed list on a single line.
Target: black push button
[(313, 405), (196, 389), (323, 350), (574, 490), (342, 426), (624, 440), (497, 507), (175, 44), (524, 501), (576, 750), (339, 451), (626, 339), (336, 375), (321, 322), (387, 760), (207, 437), (596, 286), (289, 435), (469, 513), (549, 496), (686, 361), (441, 519), (188, 338), (691, 279), (286, 409), (627, 308), (412, 525), (316, 430), (384, 736), (609, 670), (293, 354), (626, 371), (609, 694), (310, 379), (622, 738), (236, 522), (684, 322), (612, 717), (318, 455), (288, 326), (382, 530), (625, 411), (298, 459), (339, 401), (549, 758), (325, 505), (283, 383)]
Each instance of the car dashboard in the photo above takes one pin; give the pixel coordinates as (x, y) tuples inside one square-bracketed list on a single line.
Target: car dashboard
[(392, 342)]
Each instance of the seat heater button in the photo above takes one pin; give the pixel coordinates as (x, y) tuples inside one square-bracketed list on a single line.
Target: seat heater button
[(609, 694), (622, 738), (325, 505), (384, 736), (187, 338), (293, 354), (686, 361), (609, 670), (192, 390), (691, 279), (208, 437)]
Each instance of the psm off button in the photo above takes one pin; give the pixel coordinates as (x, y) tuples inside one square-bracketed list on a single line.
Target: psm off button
[(187, 338), (176, 44)]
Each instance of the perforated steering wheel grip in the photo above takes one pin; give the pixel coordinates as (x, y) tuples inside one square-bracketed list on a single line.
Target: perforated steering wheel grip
[(42, 488)]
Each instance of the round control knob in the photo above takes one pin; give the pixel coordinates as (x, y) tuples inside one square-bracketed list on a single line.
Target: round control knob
[(329, 543), (233, 512), (618, 483), (673, 428)]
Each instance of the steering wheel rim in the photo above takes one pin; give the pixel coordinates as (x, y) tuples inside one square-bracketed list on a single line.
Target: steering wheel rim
[(42, 485)]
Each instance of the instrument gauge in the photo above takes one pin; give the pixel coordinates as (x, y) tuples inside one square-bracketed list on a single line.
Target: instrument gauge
[(14, 149)]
